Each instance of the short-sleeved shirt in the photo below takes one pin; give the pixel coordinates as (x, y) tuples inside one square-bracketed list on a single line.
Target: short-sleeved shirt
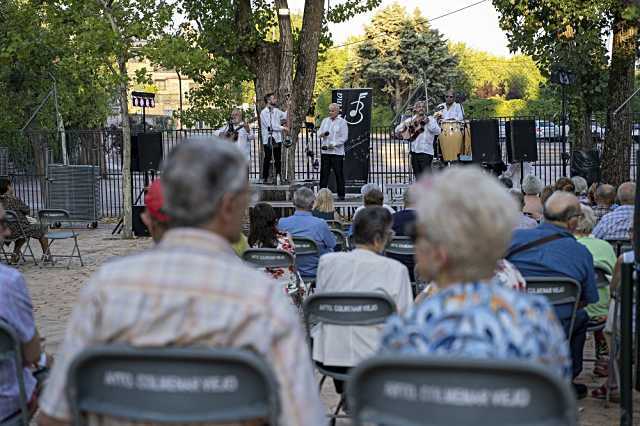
[(562, 257), (615, 225), (481, 320), (304, 224), (16, 310)]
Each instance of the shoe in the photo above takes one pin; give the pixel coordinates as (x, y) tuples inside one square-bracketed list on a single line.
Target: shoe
[(601, 393), (580, 390)]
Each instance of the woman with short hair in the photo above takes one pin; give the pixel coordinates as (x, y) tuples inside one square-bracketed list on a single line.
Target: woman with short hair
[(465, 219), (531, 188), (360, 270)]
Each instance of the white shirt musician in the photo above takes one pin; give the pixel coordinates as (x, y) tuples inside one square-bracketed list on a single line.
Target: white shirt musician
[(271, 127), (239, 127), (451, 110), (421, 150), (334, 132)]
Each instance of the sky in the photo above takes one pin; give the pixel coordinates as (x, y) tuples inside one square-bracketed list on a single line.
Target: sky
[(476, 26)]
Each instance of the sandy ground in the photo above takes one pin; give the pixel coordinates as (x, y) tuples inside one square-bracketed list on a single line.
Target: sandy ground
[(54, 292)]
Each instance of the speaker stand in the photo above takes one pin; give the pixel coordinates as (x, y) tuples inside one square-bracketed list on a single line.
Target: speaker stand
[(120, 224), (521, 173)]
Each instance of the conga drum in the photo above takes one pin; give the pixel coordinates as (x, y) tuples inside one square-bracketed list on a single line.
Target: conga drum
[(467, 138), (451, 139)]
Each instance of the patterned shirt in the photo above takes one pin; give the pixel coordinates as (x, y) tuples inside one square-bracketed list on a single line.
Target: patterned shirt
[(600, 211), (17, 311), (191, 290), (481, 320), (615, 225)]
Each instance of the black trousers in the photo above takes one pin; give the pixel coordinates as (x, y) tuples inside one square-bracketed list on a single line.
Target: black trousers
[(266, 163), (420, 163), (333, 162), (578, 339)]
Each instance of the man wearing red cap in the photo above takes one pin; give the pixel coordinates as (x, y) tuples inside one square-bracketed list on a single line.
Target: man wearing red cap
[(154, 219)]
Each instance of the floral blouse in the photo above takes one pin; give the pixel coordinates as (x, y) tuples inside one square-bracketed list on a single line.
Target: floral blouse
[(287, 276)]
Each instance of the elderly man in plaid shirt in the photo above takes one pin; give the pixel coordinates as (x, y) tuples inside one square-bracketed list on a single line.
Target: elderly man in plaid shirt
[(605, 199), (617, 224), (192, 290)]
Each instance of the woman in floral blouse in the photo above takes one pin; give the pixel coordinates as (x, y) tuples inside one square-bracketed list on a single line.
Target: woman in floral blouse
[(264, 233)]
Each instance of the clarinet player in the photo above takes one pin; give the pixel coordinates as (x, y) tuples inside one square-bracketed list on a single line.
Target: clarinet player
[(334, 132)]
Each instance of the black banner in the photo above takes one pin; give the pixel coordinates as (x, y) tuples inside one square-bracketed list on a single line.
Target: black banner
[(355, 108)]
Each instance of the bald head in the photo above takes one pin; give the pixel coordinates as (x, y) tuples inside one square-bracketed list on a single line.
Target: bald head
[(562, 208), (627, 193), (605, 195)]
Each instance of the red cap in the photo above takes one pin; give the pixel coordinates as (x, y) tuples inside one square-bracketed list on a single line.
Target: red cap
[(153, 200)]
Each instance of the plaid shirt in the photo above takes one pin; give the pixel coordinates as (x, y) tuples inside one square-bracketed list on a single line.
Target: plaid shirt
[(191, 290), (600, 211), (615, 225)]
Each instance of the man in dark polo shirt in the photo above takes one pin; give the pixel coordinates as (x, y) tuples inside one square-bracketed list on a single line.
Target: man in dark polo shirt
[(563, 256)]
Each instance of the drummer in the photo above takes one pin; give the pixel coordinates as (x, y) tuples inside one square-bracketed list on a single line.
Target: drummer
[(450, 110)]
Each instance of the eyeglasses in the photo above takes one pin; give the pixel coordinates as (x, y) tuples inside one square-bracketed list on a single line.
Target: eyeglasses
[(449, 97)]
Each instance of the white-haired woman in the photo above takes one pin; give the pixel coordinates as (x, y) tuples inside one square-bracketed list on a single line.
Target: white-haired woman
[(532, 188), (464, 226)]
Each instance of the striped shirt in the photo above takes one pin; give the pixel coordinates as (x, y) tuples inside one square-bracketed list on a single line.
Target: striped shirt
[(191, 290)]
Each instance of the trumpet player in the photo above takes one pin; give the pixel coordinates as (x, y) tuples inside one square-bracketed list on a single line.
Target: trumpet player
[(334, 133), (421, 131)]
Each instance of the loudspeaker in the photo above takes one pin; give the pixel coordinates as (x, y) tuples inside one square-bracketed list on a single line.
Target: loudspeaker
[(586, 163), (636, 217), (146, 151), (139, 228), (521, 141), (485, 145)]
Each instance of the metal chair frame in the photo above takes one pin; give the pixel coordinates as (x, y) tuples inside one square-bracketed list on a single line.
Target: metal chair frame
[(341, 239), (11, 349), (403, 390), (403, 246), (220, 385), (537, 285), (306, 247), (12, 217), (317, 308), (50, 217)]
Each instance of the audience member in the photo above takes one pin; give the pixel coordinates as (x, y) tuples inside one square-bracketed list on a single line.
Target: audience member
[(580, 185), (193, 290), (546, 193), (604, 260), (17, 311), (30, 226), (564, 184), (551, 250), (507, 182), (605, 197), (153, 217), (465, 220), (591, 194), (616, 225), (525, 221), (405, 220), (323, 206), (303, 224), (373, 199), (532, 188), (264, 233), (360, 270)]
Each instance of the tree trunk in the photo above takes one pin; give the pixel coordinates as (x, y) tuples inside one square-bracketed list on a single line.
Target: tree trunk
[(127, 224), (617, 147), (305, 78)]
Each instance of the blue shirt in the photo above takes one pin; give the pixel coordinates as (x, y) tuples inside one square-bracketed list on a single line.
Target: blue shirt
[(481, 320), (17, 311), (615, 225), (304, 224), (562, 257)]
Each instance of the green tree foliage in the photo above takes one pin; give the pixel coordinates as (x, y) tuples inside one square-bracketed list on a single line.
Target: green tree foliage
[(399, 49)]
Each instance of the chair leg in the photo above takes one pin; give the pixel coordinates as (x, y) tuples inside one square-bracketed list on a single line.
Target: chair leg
[(75, 239), (31, 254)]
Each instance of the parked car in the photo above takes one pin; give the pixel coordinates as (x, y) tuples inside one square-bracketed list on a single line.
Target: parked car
[(548, 131), (597, 132), (635, 132)]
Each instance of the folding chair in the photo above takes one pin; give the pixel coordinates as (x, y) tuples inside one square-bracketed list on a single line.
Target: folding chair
[(11, 351), (345, 309), (558, 291), (171, 385), (403, 250), (12, 218), (341, 240), (405, 390), (50, 217), (305, 247), (334, 224), (270, 258)]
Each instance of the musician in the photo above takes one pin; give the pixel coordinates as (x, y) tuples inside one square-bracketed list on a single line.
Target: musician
[(238, 131), (421, 150), (450, 110), (271, 127), (333, 132)]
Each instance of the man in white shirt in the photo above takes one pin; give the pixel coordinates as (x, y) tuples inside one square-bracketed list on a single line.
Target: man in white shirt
[(451, 110), (271, 127), (334, 132), (238, 131), (421, 150), (362, 270)]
